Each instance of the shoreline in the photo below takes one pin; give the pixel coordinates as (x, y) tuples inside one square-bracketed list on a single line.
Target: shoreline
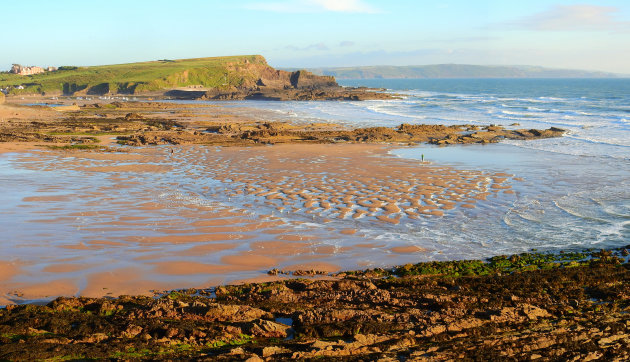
[(123, 221), (209, 239)]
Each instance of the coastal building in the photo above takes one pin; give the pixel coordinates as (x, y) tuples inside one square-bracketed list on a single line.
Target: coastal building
[(22, 70)]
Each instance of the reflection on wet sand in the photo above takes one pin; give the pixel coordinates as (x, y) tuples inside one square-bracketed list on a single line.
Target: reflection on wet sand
[(109, 223)]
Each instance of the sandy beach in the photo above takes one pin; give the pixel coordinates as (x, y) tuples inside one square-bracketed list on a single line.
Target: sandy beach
[(293, 207), (209, 209)]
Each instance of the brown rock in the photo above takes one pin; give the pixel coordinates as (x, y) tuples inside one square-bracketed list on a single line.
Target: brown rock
[(463, 324), (60, 340), (368, 339), (265, 328), (94, 338), (273, 350), (132, 331), (533, 312), (133, 116), (235, 313), (237, 351), (611, 339), (171, 332), (254, 358)]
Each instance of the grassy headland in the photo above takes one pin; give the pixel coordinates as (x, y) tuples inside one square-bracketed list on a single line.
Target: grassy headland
[(217, 72)]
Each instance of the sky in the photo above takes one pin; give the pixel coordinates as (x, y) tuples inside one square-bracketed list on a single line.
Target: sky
[(590, 35)]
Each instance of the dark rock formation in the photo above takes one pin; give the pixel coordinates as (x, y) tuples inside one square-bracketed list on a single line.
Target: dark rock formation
[(303, 79), (562, 307), (278, 132)]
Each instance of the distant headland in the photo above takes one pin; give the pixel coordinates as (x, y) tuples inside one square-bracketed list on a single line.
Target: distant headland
[(458, 71)]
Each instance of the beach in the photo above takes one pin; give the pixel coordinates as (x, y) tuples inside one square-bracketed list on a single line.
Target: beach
[(343, 180), (234, 224), (190, 216), (113, 196)]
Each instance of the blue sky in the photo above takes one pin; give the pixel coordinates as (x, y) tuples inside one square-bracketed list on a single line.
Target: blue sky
[(309, 33)]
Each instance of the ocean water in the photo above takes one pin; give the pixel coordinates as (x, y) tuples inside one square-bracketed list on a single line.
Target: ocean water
[(575, 190)]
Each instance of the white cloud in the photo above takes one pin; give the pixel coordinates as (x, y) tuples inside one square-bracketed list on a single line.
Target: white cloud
[(574, 18), (312, 6), (348, 6), (318, 46)]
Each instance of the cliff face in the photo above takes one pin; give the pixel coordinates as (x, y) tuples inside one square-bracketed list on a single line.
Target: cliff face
[(302, 79), (267, 78)]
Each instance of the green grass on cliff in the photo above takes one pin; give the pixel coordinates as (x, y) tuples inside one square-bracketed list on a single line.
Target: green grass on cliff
[(218, 72)]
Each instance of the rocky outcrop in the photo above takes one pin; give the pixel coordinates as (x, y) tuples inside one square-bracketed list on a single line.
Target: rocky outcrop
[(292, 94), (547, 307), (278, 132), (303, 79)]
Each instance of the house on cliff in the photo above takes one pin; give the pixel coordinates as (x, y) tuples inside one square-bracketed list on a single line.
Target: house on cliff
[(22, 70)]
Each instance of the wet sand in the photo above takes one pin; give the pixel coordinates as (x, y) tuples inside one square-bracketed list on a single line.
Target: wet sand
[(98, 224)]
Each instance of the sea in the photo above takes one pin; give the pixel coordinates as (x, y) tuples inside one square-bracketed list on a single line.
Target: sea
[(576, 189)]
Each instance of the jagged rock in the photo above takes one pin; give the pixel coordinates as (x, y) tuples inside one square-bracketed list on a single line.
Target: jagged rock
[(133, 116), (58, 341), (533, 312), (235, 313), (237, 351), (270, 351), (94, 338), (265, 328), (611, 339), (132, 331)]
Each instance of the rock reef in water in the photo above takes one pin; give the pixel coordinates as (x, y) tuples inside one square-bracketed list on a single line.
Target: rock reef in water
[(278, 132), (155, 123)]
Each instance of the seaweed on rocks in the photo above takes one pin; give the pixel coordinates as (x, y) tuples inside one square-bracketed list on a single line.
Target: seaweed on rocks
[(546, 306)]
